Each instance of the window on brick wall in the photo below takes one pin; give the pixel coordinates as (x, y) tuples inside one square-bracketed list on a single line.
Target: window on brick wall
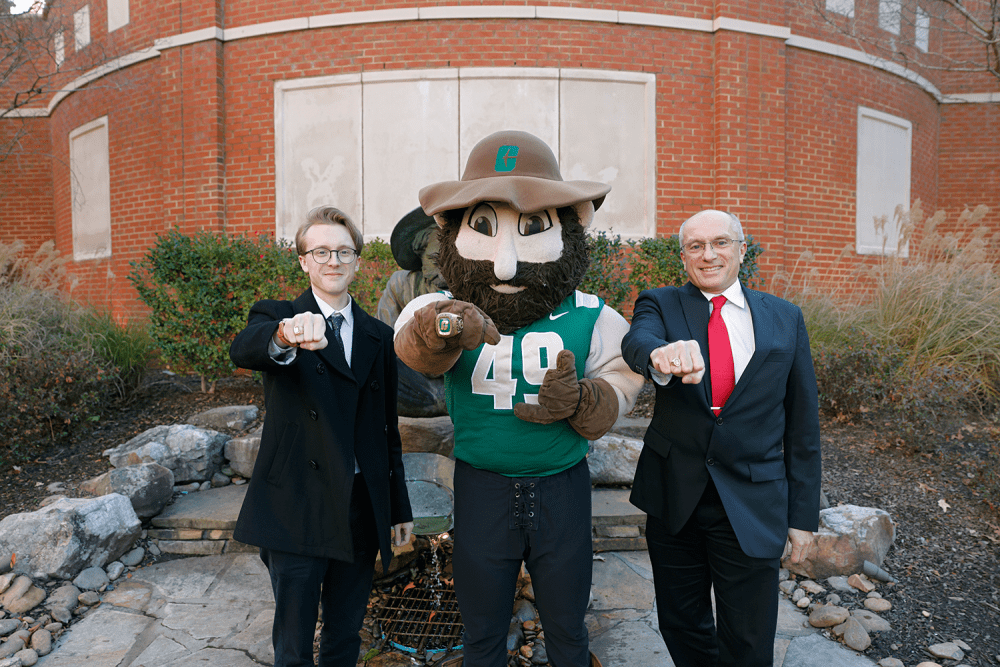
[(889, 15), (845, 7), (883, 180), (369, 143), (117, 14), (922, 30), (90, 174), (81, 27), (59, 48)]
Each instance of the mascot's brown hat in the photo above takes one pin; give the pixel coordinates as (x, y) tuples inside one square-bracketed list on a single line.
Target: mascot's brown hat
[(512, 167), (403, 234)]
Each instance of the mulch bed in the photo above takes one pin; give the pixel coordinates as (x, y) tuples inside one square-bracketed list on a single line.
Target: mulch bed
[(946, 555)]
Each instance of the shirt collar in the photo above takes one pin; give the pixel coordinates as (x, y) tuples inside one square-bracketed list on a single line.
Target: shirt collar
[(734, 295), (327, 310)]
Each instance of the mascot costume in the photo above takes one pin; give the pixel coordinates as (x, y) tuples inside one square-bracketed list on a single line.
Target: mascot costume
[(533, 370)]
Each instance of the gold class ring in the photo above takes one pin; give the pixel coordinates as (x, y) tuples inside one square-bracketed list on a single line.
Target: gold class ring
[(449, 324), (296, 330), (675, 362)]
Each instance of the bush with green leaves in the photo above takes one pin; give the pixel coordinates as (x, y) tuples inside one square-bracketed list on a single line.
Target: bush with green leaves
[(377, 264), (199, 289), (608, 274)]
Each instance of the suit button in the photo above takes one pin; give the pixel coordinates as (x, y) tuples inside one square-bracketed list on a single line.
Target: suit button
[(320, 368), (374, 385), (313, 415), (710, 462), (719, 421), (314, 465)]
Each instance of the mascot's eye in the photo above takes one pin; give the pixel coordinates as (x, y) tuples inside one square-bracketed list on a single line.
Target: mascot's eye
[(484, 220), (534, 223)]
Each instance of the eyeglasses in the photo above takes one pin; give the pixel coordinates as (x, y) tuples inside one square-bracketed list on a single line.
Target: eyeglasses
[(323, 255), (720, 244)]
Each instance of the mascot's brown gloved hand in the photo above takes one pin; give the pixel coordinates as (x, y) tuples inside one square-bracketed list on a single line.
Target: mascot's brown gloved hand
[(422, 346), (590, 406)]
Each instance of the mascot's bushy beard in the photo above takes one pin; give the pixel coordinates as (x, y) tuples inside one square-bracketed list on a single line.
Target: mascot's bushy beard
[(546, 284)]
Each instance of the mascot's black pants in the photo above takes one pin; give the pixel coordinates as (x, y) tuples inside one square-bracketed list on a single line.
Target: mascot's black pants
[(545, 522)]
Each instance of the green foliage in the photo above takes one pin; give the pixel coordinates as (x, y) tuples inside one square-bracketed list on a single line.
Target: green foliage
[(373, 274), (127, 347), (607, 276), (200, 289)]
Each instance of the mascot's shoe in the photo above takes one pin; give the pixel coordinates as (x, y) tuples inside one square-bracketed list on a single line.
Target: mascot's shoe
[(456, 661)]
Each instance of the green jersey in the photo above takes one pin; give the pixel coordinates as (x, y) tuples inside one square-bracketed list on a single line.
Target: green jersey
[(484, 385)]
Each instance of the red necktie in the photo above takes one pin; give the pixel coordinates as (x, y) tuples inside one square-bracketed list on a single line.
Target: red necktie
[(720, 356)]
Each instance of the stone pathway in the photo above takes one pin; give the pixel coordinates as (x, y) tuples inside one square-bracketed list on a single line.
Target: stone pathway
[(217, 609)]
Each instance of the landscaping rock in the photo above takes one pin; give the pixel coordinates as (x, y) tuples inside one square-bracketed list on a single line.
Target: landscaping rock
[(63, 538), (613, 458), (855, 635), (848, 535), (233, 417), (947, 650), (828, 616), (435, 435), (91, 579), (148, 486), (242, 452), (191, 453), (871, 622)]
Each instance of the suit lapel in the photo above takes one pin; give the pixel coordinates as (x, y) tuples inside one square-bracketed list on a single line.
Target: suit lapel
[(763, 336), (695, 308)]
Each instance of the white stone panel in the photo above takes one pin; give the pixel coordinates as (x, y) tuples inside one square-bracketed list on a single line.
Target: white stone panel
[(81, 27), (494, 99), (410, 140), (90, 176), (607, 122), (883, 180), (318, 151), (118, 14)]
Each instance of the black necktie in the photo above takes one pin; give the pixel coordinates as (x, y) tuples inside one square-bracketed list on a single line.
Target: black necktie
[(336, 321)]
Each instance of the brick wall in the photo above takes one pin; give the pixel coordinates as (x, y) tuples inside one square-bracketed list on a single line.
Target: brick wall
[(744, 122)]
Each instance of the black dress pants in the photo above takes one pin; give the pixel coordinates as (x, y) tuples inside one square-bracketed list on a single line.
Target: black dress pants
[(302, 583), (705, 555)]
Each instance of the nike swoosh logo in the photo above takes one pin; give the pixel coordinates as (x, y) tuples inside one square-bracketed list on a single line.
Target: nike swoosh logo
[(553, 316)]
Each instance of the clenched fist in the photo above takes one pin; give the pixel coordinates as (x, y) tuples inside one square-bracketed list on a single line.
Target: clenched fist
[(424, 348)]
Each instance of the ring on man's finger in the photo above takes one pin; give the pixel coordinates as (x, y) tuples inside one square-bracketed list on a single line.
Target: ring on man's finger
[(675, 361), (296, 330)]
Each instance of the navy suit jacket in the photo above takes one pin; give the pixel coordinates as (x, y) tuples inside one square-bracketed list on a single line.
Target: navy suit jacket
[(321, 414), (762, 450)]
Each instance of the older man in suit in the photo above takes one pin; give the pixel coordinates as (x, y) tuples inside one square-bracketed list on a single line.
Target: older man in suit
[(730, 468), (328, 483)]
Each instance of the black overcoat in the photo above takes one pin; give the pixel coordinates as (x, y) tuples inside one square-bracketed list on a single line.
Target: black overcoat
[(320, 415), (762, 450)]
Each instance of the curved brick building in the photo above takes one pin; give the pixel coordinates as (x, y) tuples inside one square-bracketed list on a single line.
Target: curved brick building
[(239, 116)]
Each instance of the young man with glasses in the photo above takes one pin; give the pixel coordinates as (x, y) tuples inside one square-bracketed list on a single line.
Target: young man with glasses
[(730, 467), (328, 487)]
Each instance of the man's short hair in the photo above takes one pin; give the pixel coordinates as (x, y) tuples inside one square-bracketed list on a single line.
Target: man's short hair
[(734, 224), (328, 215)]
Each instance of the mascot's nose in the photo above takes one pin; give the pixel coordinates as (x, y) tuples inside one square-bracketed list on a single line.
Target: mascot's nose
[(505, 259)]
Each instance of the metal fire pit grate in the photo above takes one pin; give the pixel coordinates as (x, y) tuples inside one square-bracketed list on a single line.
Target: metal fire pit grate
[(416, 623)]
